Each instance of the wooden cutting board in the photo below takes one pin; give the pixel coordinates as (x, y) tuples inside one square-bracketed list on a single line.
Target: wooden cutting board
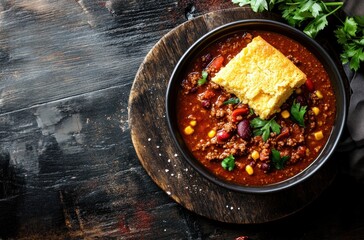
[(164, 163)]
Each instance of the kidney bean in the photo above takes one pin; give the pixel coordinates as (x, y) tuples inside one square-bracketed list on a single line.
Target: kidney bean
[(244, 130), (285, 106), (222, 136), (206, 104), (242, 238), (265, 167), (206, 59), (301, 100)]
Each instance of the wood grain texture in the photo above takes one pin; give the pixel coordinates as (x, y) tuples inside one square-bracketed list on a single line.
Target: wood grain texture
[(163, 161)]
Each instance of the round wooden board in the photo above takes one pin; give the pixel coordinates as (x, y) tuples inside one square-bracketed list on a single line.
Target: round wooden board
[(161, 158)]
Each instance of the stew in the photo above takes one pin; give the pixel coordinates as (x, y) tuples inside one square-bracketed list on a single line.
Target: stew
[(228, 138)]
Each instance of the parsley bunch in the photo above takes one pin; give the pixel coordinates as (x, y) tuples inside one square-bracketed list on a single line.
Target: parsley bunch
[(351, 37), (311, 16)]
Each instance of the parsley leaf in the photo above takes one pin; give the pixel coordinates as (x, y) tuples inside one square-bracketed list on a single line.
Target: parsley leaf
[(298, 113), (316, 25), (203, 80), (251, 112), (228, 163), (264, 127), (233, 100), (277, 160)]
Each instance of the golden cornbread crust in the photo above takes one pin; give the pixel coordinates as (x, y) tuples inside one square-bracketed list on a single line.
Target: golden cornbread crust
[(260, 76)]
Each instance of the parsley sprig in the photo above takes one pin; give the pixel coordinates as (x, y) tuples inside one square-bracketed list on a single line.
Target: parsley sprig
[(351, 37), (277, 160), (298, 113), (264, 127), (311, 16), (228, 163)]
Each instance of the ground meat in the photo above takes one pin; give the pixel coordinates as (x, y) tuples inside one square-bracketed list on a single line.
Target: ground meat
[(206, 59), (298, 154), (264, 155), (189, 84), (294, 59), (220, 100)]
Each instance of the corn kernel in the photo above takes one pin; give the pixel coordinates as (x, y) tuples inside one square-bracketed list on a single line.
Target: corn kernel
[(319, 94), (319, 135), (316, 110), (189, 130), (249, 169), (298, 91), (285, 114), (255, 155), (193, 123), (212, 133)]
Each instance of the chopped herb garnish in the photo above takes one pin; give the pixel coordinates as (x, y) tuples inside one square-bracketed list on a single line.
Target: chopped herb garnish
[(277, 160), (203, 80), (251, 112), (233, 100), (264, 127), (298, 113), (228, 163)]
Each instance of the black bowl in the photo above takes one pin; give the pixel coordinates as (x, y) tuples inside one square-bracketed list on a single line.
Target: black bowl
[(272, 26)]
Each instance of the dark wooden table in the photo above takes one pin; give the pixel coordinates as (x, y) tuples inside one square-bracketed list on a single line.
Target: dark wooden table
[(68, 168)]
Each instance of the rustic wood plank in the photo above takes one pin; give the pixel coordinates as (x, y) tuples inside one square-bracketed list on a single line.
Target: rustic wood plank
[(71, 170), (56, 49)]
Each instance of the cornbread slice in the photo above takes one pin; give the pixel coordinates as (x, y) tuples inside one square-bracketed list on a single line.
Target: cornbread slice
[(260, 76)]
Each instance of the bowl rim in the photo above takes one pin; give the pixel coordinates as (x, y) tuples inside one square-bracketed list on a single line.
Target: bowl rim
[(336, 131)]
